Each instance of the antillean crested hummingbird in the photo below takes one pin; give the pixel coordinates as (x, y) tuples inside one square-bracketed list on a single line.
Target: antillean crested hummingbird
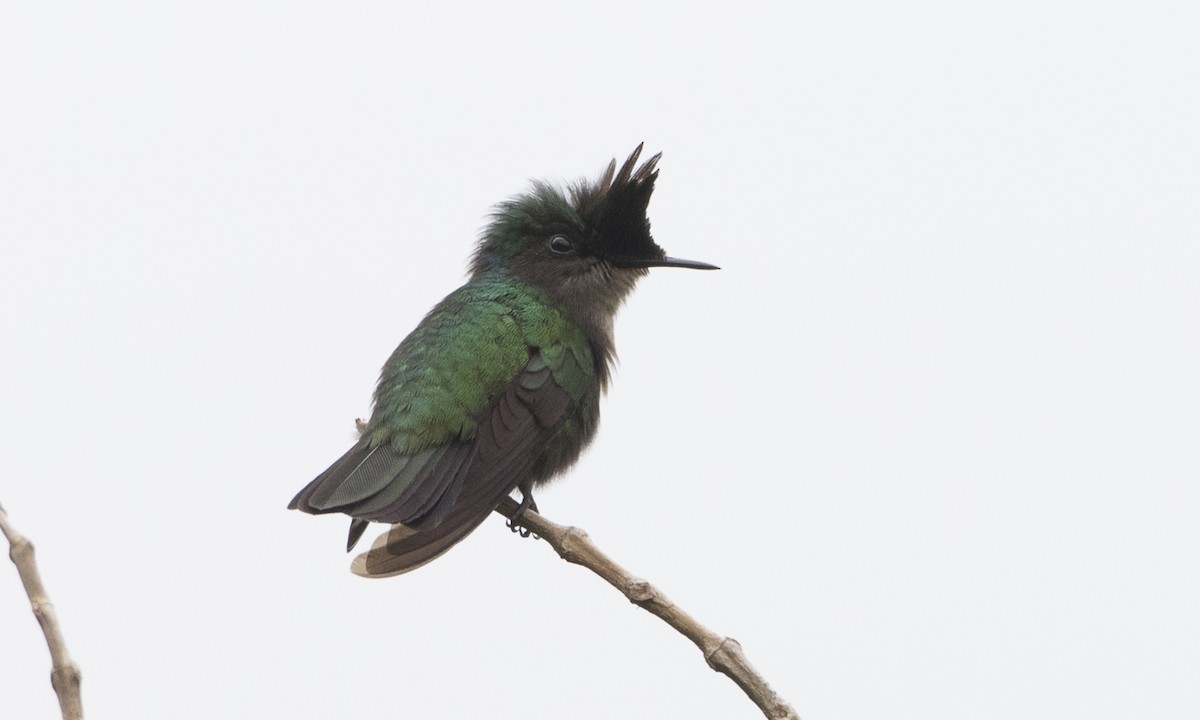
[(498, 388)]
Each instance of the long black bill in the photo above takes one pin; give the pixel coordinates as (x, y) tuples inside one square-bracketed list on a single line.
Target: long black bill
[(679, 263)]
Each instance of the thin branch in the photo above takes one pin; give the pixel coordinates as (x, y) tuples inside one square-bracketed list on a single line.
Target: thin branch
[(723, 654), (64, 675)]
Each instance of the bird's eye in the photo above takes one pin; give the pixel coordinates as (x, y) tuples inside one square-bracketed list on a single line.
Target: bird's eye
[(561, 245)]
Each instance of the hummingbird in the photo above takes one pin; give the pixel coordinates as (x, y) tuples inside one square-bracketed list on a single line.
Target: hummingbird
[(498, 388)]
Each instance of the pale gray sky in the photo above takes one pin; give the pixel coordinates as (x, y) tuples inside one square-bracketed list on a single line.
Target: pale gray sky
[(926, 445)]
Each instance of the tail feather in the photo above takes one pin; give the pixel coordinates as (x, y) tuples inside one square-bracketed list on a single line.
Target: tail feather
[(402, 549), (357, 528)]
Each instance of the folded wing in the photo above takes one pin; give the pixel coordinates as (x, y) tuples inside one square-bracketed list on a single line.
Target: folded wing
[(437, 496)]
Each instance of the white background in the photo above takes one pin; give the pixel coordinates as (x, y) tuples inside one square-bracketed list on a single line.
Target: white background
[(926, 445)]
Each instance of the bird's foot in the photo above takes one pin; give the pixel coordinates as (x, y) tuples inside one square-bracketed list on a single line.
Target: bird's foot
[(514, 523)]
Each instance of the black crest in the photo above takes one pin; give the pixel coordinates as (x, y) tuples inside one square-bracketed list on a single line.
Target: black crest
[(615, 209)]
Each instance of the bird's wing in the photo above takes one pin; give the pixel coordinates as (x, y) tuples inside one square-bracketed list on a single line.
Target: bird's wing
[(381, 483), (434, 389), (504, 452)]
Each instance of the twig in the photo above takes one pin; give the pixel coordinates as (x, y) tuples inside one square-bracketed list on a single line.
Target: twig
[(723, 654), (64, 675)]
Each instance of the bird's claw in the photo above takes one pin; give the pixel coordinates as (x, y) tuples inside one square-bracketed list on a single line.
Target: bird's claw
[(514, 523), (519, 529)]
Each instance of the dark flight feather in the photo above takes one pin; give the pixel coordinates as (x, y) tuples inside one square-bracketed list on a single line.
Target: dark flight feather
[(385, 485)]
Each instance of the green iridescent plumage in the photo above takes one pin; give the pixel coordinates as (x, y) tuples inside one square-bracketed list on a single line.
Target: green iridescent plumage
[(463, 356), (498, 388)]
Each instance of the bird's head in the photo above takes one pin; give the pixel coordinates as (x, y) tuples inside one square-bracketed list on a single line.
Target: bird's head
[(587, 244)]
